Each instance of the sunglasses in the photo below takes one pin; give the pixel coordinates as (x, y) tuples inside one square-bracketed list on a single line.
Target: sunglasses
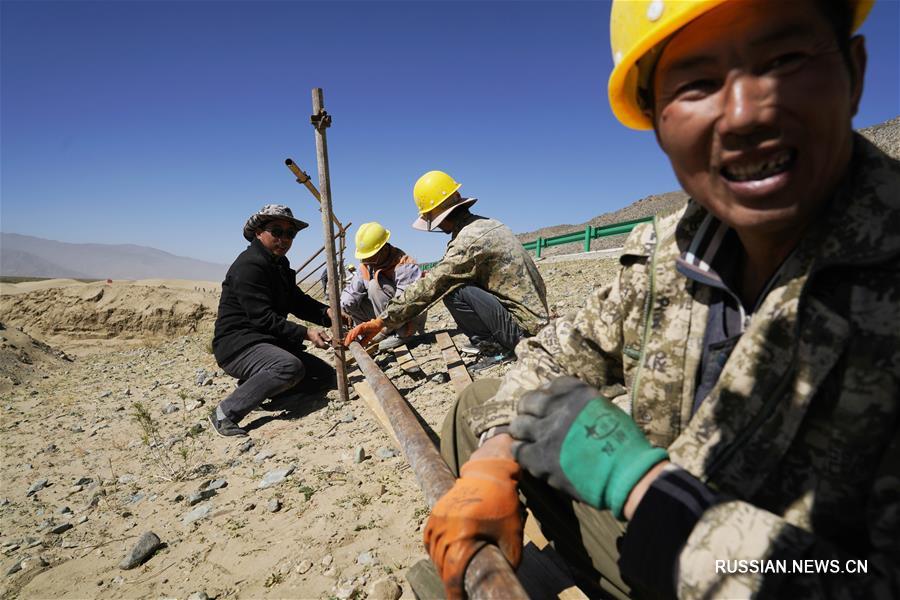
[(282, 233)]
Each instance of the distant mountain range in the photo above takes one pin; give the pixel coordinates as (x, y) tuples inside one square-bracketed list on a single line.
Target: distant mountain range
[(27, 256)]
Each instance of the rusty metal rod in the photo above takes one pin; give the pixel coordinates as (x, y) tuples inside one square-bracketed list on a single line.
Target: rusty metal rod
[(342, 234), (312, 272), (303, 179), (488, 574), (309, 260)]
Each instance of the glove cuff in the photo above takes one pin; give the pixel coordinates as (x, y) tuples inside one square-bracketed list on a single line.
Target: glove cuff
[(499, 469), (623, 479)]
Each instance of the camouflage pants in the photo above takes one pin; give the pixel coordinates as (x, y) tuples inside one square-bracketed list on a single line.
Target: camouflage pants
[(584, 536)]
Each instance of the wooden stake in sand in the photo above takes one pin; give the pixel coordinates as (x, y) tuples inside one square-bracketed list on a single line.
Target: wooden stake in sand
[(455, 366), (321, 120)]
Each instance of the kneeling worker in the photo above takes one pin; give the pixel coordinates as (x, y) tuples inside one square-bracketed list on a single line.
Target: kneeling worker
[(385, 271), (488, 281), (749, 347), (254, 341)]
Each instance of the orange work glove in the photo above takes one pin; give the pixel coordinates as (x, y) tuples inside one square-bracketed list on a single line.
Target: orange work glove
[(481, 507), (367, 330)]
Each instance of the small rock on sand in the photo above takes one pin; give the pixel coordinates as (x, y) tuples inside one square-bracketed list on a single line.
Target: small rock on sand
[(198, 513), (386, 588), (275, 477), (61, 528), (142, 550), (386, 453), (198, 497), (36, 487)]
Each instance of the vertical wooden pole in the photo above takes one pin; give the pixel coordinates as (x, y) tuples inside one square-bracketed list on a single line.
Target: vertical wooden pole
[(321, 120), (342, 245)]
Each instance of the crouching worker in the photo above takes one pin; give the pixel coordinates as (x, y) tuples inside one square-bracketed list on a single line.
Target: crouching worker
[(724, 415), (254, 341), (384, 272), (489, 284)]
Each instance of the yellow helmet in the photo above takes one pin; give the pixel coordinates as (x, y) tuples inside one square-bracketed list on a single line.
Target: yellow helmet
[(636, 27), (370, 238), (432, 189)]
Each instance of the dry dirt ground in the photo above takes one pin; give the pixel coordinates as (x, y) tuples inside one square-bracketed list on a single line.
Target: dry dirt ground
[(104, 394)]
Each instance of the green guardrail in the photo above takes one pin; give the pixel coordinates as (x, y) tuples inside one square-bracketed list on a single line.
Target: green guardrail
[(589, 233), (585, 236)]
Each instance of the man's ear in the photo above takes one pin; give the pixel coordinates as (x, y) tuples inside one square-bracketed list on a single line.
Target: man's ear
[(857, 66)]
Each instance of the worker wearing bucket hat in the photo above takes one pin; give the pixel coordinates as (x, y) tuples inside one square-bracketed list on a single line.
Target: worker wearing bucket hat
[(723, 414), (489, 284), (254, 341), (385, 271)]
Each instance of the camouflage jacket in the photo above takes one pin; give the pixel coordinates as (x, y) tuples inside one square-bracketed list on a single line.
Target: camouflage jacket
[(802, 429), (485, 253)]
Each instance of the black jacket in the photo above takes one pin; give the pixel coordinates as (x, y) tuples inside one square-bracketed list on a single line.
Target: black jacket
[(257, 294)]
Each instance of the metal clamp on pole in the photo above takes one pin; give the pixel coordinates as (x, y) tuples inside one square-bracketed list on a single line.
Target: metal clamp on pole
[(320, 120)]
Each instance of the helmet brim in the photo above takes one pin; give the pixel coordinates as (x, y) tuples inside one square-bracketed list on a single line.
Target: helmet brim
[(425, 225)]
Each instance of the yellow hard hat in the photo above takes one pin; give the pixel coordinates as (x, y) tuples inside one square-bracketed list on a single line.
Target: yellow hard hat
[(370, 238), (636, 27), (432, 189)]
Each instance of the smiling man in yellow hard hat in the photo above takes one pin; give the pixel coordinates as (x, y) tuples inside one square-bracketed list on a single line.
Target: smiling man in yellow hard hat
[(385, 271), (733, 395), (487, 280)]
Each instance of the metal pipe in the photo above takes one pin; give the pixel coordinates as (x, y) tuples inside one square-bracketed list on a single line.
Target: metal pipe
[(341, 234), (488, 575), (309, 260), (312, 272), (303, 179)]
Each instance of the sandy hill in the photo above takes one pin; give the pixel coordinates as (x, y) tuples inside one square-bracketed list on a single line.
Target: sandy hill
[(98, 310), (24, 255)]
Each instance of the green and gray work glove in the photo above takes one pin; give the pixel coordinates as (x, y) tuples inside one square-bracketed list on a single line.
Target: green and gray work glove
[(580, 443)]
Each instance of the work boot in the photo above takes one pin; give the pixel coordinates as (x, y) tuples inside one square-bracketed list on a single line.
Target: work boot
[(390, 342), (493, 360), (468, 348), (225, 426)]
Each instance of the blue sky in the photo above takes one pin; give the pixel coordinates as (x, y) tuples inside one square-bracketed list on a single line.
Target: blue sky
[(166, 124)]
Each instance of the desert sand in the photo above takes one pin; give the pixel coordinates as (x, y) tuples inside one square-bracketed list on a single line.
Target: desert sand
[(105, 392)]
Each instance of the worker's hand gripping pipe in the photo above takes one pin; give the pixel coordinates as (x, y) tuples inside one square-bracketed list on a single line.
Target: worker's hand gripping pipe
[(488, 574)]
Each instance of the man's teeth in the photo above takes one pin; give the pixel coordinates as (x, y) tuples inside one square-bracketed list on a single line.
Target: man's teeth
[(759, 170)]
